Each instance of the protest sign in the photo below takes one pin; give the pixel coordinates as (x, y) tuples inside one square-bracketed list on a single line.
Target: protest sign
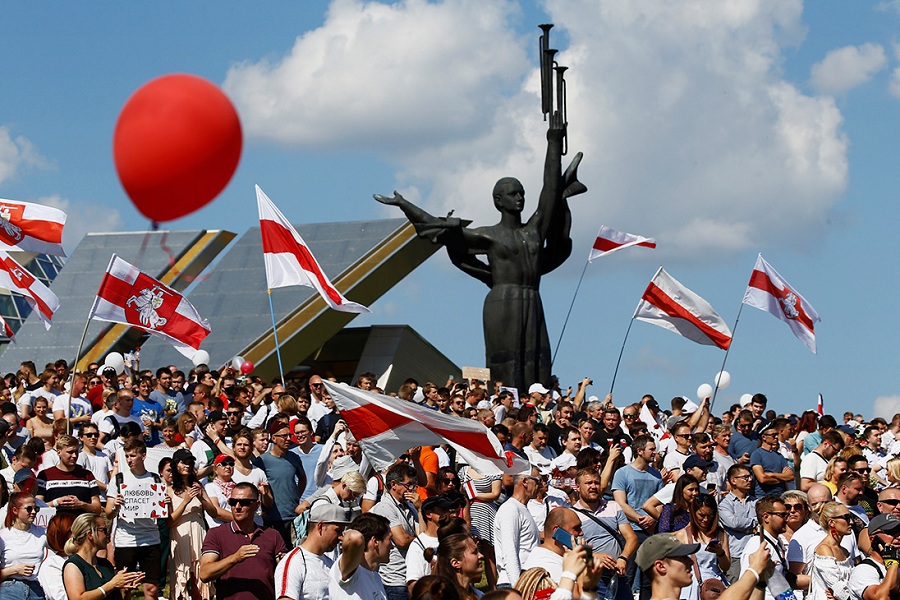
[(143, 500)]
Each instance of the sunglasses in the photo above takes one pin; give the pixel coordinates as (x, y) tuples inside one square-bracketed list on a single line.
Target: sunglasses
[(90, 435), (235, 413), (450, 481), (31, 508), (629, 416), (783, 515), (226, 463), (794, 507), (245, 502), (890, 501), (848, 518), (864, 471)]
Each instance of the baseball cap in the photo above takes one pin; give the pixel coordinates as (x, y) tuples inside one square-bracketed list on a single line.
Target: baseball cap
[(221, 458), (419, 396), (660, 546), (846, 429), (343, 465), (436, 502), (564, 462), (4, 426), (215, 416), (885, 522), (109, 372), (23, 475), (275, 426), (694, 461), (183, 456), (325, 512), (537, 387)]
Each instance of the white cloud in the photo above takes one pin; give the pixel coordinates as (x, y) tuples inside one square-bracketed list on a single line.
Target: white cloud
[(81, 218), (845, 68), (886, 407), (15, 153), (384, 76), (689, 131)]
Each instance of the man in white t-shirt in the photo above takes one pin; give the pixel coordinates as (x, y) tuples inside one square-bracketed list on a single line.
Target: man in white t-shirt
[(515, 532), (876, 577), (94, 460), (366, 544), (136, 541), (812, 466), (549, 555), (109, 427), (73, 405), (305, 572)]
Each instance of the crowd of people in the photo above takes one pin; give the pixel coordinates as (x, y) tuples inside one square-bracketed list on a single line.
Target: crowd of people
[(269, 495)]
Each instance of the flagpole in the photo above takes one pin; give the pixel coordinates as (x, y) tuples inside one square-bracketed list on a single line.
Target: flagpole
[(733, 330), (621, 350), (568, 314), (74, 369), (275, 331)]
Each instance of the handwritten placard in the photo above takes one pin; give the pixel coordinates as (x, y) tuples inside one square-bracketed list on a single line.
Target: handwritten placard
[(514, 392), (143, 500), (476, 373)]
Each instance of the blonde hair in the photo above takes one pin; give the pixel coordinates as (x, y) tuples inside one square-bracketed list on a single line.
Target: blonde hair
[(66, 441), (287, 404), (84, 524), (532, 581), (829, 468), (893, 469), (828, 511), (354, 482)]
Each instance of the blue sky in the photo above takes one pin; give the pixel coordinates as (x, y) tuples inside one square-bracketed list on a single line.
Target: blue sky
[(721, 128)]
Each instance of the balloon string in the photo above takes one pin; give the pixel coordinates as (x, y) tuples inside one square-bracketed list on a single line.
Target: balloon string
[(171, 255)]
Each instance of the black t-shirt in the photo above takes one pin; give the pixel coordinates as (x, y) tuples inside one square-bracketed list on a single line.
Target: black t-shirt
[(54, 483)]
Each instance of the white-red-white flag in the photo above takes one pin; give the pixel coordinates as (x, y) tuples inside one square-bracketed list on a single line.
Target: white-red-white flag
[(7, 330), (609, 240), (133, 298), (386, 427), (668, 304), (820, 409), (289, 260), (31, 227), (16, 278), (769, 291)]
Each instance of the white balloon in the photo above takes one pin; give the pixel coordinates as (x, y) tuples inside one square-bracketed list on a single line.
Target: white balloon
[(236, 362), (723, 379), (745, 399), (201, 357), (704, 391), (116, 361)]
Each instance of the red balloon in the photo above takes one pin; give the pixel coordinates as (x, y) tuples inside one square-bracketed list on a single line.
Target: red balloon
[(176, 145), (247, 367)]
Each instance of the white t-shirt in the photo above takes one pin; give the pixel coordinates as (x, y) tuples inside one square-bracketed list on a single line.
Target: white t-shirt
[(78, 408), (541, 557), (363, 584), (864, 575), (256, 476), (215, 494), (416, 566), (674, 460), (302, 575), (106, 425), (812, 466), (139, 532), (28, 398), (23, 547), (50, 576), (99, 464)]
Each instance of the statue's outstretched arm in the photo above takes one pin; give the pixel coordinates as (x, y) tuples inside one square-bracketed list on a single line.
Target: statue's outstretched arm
[(449, 231)]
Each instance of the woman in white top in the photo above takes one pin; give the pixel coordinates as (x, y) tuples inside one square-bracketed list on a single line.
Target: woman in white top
[(832, 565), (22, 545)]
